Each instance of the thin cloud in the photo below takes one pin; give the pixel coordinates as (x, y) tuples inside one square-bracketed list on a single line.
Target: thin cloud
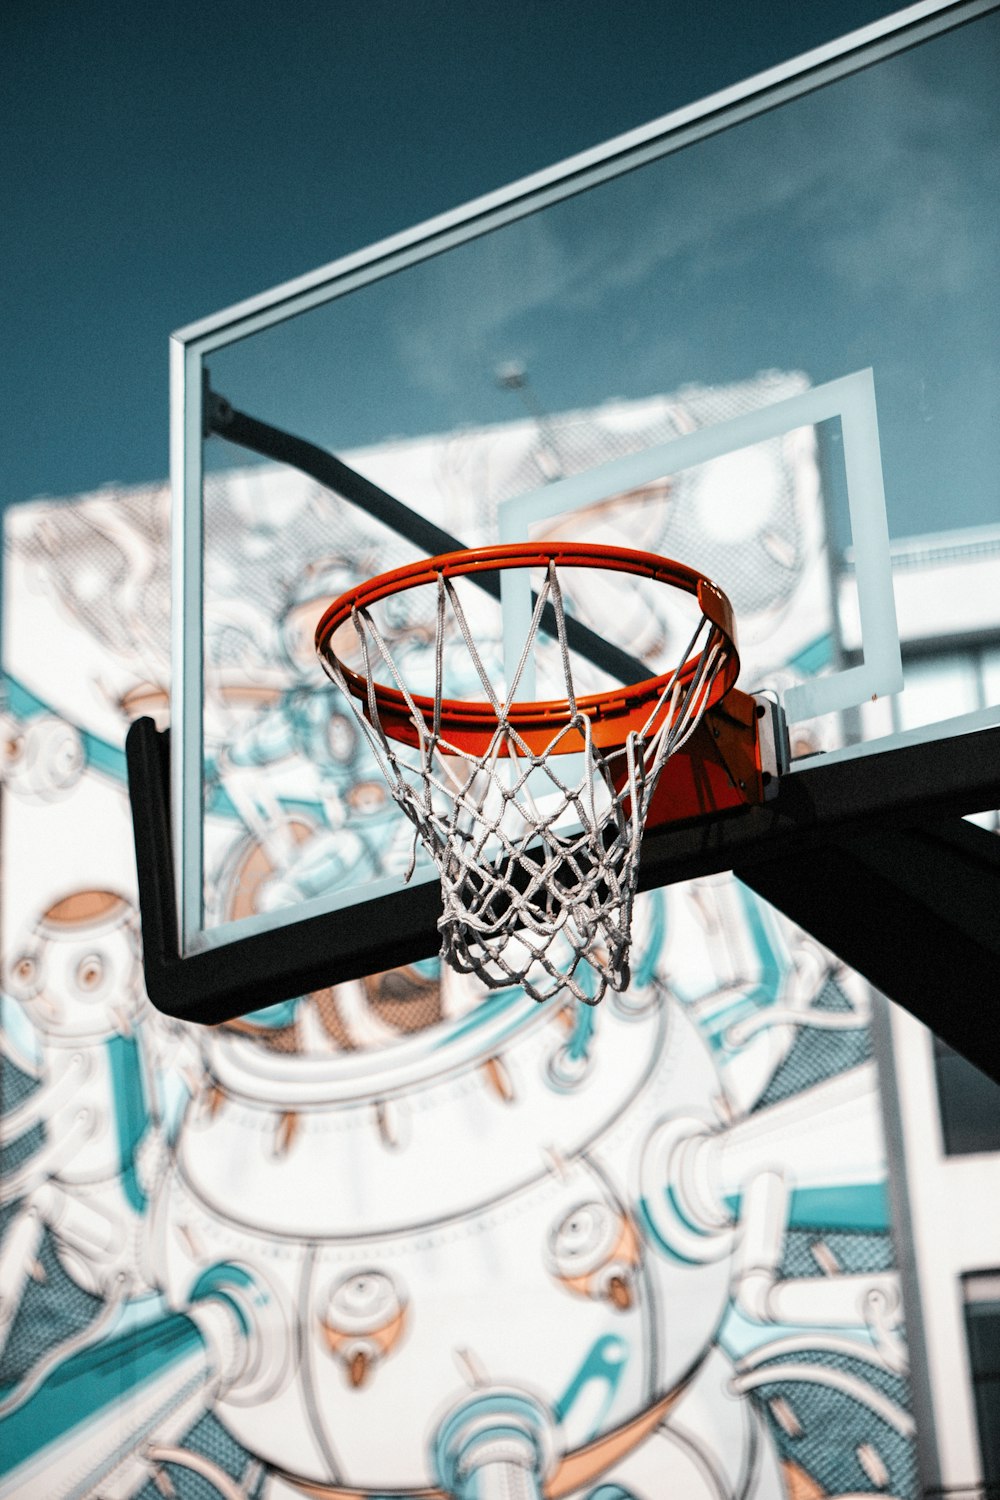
[(877, 185)]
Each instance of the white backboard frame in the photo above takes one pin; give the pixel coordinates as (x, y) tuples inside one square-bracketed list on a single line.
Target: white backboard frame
[(851, 399)]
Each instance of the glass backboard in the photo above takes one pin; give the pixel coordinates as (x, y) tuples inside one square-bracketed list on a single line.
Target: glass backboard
[(758, 336)]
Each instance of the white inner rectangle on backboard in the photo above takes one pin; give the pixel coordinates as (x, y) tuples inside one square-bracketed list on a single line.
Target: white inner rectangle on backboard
[(850, 399)]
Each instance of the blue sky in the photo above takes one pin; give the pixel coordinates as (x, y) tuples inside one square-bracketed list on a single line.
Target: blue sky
[(853, 228), (161, 162)]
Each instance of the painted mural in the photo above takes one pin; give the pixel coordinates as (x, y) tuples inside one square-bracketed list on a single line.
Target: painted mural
[(408, 1237)]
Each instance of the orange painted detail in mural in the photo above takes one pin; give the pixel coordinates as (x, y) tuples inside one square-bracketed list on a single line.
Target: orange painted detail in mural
[(285, 1131), (146, 698), (799, 1484), (364, 1321), (573, 1471), (83, 906), (253, 867), (587, 1464), (610, 1276), (498, 1079)]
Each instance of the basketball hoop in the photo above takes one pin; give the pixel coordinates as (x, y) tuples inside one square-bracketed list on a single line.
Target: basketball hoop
[(534, 812)]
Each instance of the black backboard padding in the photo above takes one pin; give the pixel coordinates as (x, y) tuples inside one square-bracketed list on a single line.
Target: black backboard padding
[(869, 855), (222, 983)]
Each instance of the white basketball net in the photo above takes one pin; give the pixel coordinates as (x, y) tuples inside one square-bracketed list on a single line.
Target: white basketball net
[(537, 851)]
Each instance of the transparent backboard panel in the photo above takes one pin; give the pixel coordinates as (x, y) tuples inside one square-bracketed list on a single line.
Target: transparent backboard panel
[(767, 350)]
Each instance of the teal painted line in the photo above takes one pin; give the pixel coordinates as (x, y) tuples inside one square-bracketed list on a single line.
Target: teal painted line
[(103, 757), (94, 1382), (505, 1415), (110, 759), (217, 1281), (131, 1111), (220, 805), (150, 1307), (275, 1017), (21, 700), (764, 992), (583, 1025), (862, 1206), (645, 969), (715, 1029), (815, 656), (599, 1364), (672, 1198), (645, 1219), (514, 1026), (24, 1047), (307, 805), (740, 1335), (585, 977), (494, 1006), (134, 1192), (770, 967), (99, 753)]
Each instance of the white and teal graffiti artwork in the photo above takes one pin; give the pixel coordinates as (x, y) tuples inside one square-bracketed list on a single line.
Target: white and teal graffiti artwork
[(405, 1237)]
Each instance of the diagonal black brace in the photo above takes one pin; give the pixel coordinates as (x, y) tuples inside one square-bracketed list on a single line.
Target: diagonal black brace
[(271, 442), (916, 911)]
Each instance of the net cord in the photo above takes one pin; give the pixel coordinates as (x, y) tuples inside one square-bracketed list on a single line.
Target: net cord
[(486, 831)]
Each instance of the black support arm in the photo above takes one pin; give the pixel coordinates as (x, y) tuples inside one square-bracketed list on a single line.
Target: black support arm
[(870, 856)]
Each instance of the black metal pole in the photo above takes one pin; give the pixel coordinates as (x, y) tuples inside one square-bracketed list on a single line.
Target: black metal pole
[(331, 472)]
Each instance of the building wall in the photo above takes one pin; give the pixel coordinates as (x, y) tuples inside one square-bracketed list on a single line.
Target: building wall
[(333, 1248)]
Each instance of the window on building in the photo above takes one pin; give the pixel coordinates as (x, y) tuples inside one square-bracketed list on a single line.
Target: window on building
[(982, 1326), (969, 1103), (942, 682)]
